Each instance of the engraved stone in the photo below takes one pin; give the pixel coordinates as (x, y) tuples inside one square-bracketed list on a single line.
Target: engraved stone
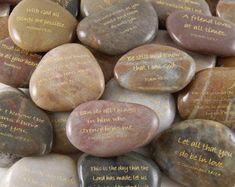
[(7, 160), (16, 65), (131, 170), (39, 26), (61, 143), (210, 96), (52, 170), (24, 129), (198, 153), (70, 5), (4, 28), (201, 61), (155, 68), (136, 20), (4, 10), (226, 10), (121, 127), (166, 7), (203, 34), (66, 77), (226, 62), (162, 104)]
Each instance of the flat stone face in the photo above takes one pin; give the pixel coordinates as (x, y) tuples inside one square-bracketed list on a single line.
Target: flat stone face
[(130, 170), (203, 34), (198, 152), (70, 5), (155, 68), (61, 143), (162, 104), (226, 10), (25, 130), (39, 26), (166, 7), (210, 96), (89, 7), (66, 77), (4, 28), (52, 170), (226, 62), (122, 127), (4, 10), (7, 160), (136, 19), (16, 65), (201, 61)]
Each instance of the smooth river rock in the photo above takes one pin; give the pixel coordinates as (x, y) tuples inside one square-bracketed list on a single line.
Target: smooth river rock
[(117, 29), (24, 129), (16, 65), (202, 34), (4, 28), (61, 143), (48, 171), (226, 10), (210, 96), (155, 68), (201, 61), (70, 5), (166, 7), (131, 170), (197, 153), (38, 26), (122, 127), (162, 104), (4, 10), (226, 62), (3, 172), (7, 160), (66, 77)]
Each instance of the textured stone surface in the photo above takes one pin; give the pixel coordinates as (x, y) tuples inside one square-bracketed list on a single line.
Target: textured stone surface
[(4, 28), (61, 143), (197, 153), (166, 7), (226, 10), (4, 10), (203, 34), (89, 7), (129, 170), (24, 129), (155, 68), (104, 31), (16, 65), (212, 4), (210, 96), (201, 61), (7, 160), (39, 26), (122, 127), (52, 170), (70, 5), (66, 77), (162, 104), (226, 62), (166, 182)]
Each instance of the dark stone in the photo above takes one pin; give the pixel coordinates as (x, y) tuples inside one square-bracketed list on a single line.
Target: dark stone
[(226, 62), (71, 5), (132, 170), (197, 153), (203, 34), (119, 28), (212, 4), (4, 10), (12, 2)]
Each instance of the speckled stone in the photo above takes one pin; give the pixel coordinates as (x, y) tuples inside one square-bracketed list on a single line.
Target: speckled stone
[(7, 160), (155, 68), (61, 143), (226, 62), (166, 7), (202, 34), (162, 104), (16, 65), (24, 129), (226, 10), (122, 127), (131, 170), (201, 61), (197, 153), (38, 26), (52, 170), (134, 19), (4, 10), (210, 96), (4, 28), (71, 5), (66, 77)]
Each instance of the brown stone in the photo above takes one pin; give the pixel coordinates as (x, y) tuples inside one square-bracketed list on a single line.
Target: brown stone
[(121, 127), (12, 2), (4, 10), (212, 4), (226, 10), (210, 96), (201, 61), (155, 68), (4, 28), (226, 62), (202, 34)]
